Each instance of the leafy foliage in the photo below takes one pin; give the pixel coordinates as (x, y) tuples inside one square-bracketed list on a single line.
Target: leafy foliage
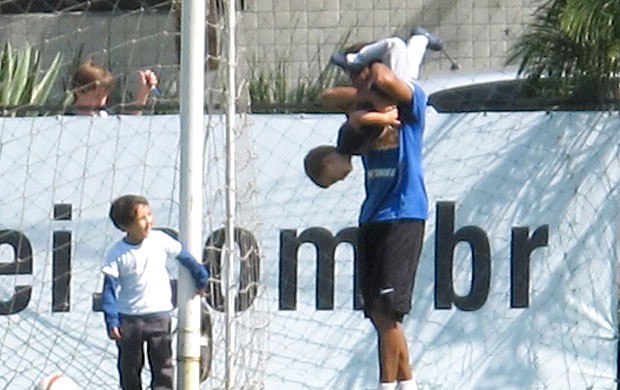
[(575, 41), (22, 81), (270, 89)]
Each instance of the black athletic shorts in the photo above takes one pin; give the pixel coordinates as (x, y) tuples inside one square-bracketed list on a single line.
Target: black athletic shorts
[(389, 253)]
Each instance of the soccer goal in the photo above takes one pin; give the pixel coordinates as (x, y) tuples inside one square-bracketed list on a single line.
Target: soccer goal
[(517, 284), (50, 305)]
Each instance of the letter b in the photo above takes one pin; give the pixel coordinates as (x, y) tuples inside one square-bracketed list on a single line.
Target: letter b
[(446, 240)]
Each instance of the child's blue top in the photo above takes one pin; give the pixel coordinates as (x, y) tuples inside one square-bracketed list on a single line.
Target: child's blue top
[(394, 178)]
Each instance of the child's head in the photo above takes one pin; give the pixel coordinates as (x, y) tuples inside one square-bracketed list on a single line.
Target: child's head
[(91, 84), (325, 165), (127, 210)]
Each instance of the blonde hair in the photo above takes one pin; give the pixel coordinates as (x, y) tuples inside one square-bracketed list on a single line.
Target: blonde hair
[(90, 76)]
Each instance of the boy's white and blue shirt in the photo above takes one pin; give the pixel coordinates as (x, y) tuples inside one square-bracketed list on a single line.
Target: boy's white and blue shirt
[(136, 277)]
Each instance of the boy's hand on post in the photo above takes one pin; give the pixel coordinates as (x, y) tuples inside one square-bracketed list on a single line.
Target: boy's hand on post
[(115, 333), (202, 292)]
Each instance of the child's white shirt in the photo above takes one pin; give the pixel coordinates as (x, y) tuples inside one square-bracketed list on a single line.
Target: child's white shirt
[(141, 274)]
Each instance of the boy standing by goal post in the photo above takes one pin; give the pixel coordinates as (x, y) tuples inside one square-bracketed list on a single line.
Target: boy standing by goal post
[(135, 269)]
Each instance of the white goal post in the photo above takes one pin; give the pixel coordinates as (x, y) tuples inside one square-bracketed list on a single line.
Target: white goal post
[(190, 185)]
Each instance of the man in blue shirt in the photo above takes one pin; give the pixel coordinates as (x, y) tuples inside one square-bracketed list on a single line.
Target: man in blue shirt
[(392, 219), (393, 214)]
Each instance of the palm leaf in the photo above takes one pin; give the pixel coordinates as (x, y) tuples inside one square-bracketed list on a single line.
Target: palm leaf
[(20, 76), (21, 80), (571, 38), (7, 74), (42, 88)]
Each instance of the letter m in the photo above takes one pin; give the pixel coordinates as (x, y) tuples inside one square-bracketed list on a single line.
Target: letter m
[(325, 244)]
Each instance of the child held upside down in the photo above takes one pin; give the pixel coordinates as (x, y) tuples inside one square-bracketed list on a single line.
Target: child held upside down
[(387, 131), (372, 120)]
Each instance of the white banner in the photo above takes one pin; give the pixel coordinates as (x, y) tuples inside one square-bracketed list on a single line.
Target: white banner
[(516, 286)]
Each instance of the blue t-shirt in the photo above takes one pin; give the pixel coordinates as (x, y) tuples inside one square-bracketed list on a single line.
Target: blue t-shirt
[(394, 178)]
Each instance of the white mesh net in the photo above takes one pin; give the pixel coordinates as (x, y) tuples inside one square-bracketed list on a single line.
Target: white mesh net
[(539, 187)]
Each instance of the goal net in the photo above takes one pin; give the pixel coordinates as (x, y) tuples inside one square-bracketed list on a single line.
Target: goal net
[(537, 193), (516, 287), (51, 317)]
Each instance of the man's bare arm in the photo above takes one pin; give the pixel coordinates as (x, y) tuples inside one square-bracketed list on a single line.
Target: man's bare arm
[(342, 99), (362, 118), (384, 79)]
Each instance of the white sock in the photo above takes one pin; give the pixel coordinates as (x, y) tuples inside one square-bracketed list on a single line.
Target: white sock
[(391, 51), (387, 386), (407, 385), (416, 48), (367, 54)]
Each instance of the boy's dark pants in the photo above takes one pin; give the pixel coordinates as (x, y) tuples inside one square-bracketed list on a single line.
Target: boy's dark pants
[(155, 331)]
